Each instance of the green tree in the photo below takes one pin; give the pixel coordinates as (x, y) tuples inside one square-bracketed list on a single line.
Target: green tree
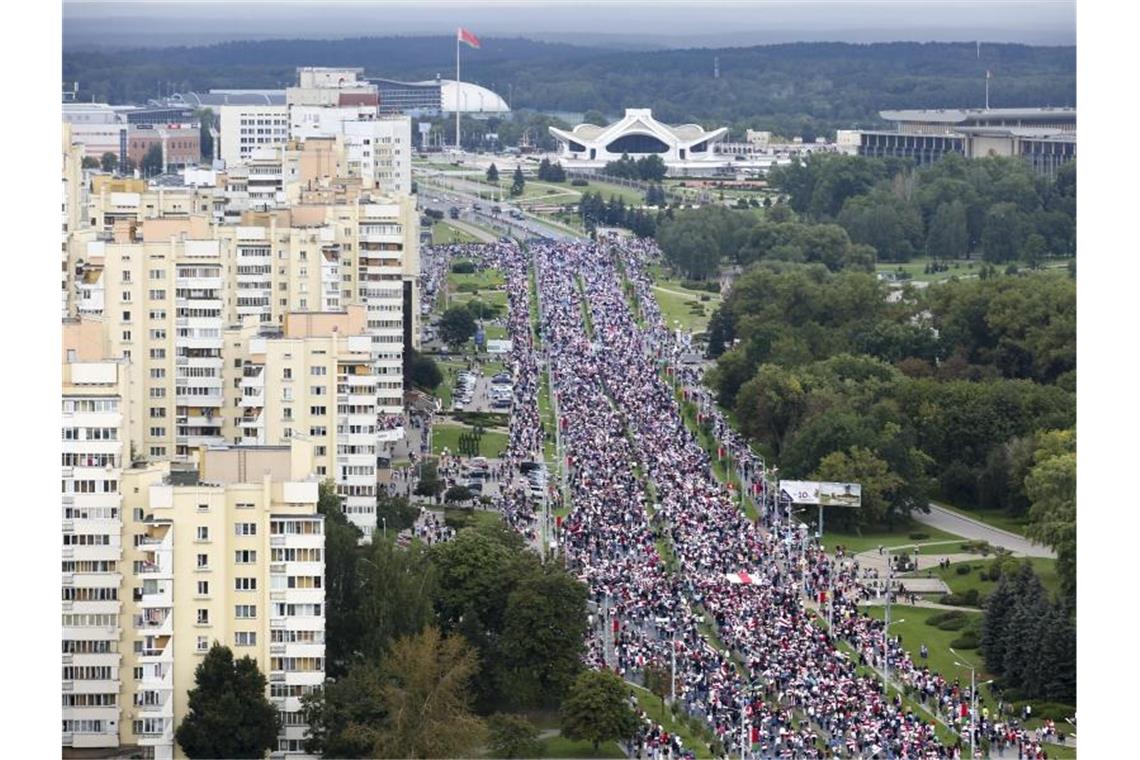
[(518, 182), (343, 623), (429, 484), (456, 326), (397, 598), (879, 485), (657, 680), (1002, 233), (346, 713), (1051, 486), (397, 513), (493, 174), (948, 236), (427, 693), (152, 161), (424, 371), (770, 405), (89, 162), (229, 714), (110, 162), (206, 121), (512, 736), (458, 494), (540, 651), (597, 709)]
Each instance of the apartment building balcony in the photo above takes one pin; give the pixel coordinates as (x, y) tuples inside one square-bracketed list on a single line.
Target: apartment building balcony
[(207, 302), (199, 283), (109, 738)]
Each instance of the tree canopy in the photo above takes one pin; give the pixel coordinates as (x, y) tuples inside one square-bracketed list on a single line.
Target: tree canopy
[(229, 714)]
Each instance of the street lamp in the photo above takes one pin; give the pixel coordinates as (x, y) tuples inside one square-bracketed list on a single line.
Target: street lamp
[(973, 697)]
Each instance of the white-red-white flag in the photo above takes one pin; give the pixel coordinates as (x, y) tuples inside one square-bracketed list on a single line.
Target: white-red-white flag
[(468, 37)]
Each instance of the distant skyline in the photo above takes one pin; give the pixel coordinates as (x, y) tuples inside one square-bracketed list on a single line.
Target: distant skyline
[(716, 23)]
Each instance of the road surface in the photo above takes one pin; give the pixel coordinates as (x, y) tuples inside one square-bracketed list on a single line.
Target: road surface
[(952, 522)]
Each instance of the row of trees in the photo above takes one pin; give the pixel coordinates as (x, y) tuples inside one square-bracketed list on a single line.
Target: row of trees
[(760, 87), (598, 213), (424, 643), (697, 242), (952, 209), (551, 171), (951, 392), (647, 168), (1030, 641), (109, 162)]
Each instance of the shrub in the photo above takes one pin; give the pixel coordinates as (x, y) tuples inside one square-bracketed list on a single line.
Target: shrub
[(706, 298), (962, 569), (954, 600), (463, 267), (972, 597), (968, 640), (941, 617), (1055, 711), (955, 623), (919, 536), (983, 576), (578, 182)]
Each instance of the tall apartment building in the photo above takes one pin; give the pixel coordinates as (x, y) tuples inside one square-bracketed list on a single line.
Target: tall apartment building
[(313, 378), (233, 553), (166, 288), (96, 445), (245, 127)]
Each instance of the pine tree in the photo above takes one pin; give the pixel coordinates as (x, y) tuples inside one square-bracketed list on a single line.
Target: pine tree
[(518, 182), (999, 605), (229, 714), (493, 174)]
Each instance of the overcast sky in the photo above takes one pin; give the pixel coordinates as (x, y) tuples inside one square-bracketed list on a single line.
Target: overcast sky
[(694, 23)]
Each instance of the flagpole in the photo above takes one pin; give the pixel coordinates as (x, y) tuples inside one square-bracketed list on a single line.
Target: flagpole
[(457, 89)]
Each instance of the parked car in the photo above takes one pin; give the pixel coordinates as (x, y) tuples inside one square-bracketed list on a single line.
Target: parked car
[(453, 212)]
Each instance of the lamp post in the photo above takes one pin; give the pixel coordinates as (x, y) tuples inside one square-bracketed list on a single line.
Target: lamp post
[(973, 697), (886, 662)]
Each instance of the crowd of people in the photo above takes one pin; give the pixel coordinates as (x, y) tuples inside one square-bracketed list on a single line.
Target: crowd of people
[(662, 544)]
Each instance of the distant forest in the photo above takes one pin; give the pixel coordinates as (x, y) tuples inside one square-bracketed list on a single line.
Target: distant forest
[(793, 89)]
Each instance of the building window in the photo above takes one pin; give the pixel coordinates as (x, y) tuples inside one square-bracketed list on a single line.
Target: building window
[(245, 611), (245, 639), (245, 557), (203, 533), (245, 584), (203, 588), (203, 619), (203, 561), (203, 642), (245, 529)]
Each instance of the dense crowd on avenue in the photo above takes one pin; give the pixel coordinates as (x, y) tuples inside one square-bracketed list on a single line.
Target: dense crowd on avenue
[(663, 545)]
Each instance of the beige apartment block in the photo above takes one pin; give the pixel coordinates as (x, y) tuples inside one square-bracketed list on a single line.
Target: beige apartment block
[(315, 379), (230, 553), (96, 445)]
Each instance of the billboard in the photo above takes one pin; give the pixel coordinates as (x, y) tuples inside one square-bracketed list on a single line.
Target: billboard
[(800, 491), (825, 494), (840, 494)]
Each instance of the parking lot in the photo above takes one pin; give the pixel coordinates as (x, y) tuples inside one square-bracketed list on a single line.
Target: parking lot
[(475, 392)]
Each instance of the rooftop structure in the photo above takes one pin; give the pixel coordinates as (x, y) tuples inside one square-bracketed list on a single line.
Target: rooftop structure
[(638, 134)]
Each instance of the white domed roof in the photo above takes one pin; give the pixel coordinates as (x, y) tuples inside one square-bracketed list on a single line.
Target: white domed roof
[(472, 98)]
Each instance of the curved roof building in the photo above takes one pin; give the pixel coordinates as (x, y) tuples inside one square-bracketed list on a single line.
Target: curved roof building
[(471, 98), (638, 134)]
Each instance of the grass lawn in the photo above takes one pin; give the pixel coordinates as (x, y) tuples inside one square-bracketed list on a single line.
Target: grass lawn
[(470, 518), (561, 747), (485, 279), (993, 517), (915, 632), (628, 195), (492, 444), (1045, 568), (914, 268), (651, 703), (495, 332), (690, 311), (873, 537), (443, 233)]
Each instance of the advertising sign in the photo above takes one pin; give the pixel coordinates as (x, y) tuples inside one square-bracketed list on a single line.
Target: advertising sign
[(825, 494), (840, 494), (800, 491)]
